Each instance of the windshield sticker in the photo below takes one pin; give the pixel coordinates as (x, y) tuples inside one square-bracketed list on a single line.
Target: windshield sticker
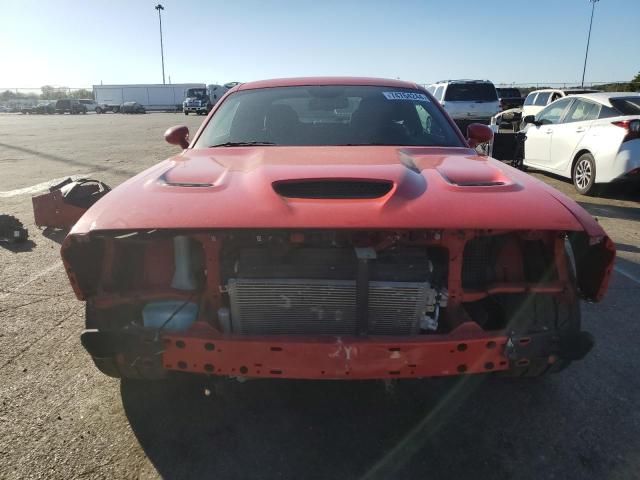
[(420, 97)]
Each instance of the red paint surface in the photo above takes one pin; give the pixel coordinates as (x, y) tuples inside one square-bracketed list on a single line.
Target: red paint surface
[(241, 193), (468, 350)]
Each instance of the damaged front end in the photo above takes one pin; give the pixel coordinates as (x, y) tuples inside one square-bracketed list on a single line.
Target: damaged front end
[(334, 304)]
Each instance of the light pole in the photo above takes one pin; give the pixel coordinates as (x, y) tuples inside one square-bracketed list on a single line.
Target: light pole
[(586, 54), (159, 8)]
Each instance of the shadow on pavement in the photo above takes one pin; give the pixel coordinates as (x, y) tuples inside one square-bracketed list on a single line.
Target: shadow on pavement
[(612, 211), (26, 246), (480, 427), (628, 191), (55, 234), (623, 247), (284, 429)]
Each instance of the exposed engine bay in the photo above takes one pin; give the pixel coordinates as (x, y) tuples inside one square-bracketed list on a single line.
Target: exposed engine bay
[(320, 282), (202, 293), (276, 287)]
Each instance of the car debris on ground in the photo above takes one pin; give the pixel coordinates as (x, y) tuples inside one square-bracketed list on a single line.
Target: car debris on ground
[(12, 230), (64, 203)]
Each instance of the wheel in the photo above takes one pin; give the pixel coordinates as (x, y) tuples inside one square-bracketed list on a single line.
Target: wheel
[(116, 109), (584, 174), (564, 320), (99, 110), (186, 113), (533, 313)]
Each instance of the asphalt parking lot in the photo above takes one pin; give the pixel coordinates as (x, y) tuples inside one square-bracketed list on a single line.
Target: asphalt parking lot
[(61, 418)]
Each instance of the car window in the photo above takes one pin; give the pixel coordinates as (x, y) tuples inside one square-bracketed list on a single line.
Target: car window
[(553, 113), (555, 96), (329, 115), (431, 89), (438, 93), (508, 92), (626, 105), (470, 92), (427, 123), (542, 98), (530, 99), (582, 111), (608, 112)]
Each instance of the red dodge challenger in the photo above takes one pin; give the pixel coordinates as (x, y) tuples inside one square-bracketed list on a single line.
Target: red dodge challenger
[(334, 228)]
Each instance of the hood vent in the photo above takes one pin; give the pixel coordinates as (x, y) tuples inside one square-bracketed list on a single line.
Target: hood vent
[(333, 189), (480, 184)]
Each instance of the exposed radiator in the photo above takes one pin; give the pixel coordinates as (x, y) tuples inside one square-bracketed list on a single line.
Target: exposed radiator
[(325, 307)]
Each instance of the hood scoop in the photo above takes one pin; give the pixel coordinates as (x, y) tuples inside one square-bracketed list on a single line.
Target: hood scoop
[(335, 189), (474, 174)]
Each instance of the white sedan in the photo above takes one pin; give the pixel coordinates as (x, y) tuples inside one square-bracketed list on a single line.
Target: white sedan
[(591, 138)]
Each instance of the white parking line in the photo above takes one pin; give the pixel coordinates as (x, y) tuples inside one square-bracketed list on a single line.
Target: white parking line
[(627, 274), (39, 187), (35, 277)]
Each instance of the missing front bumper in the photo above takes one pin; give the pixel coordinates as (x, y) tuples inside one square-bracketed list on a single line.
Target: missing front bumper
[(467, 350), (346, 358)]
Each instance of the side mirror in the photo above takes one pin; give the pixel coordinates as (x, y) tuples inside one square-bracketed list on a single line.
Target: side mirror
[(178, 135), (478, 133), (530, 119)]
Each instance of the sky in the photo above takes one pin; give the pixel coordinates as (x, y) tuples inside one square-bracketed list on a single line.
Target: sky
[(82, 43)]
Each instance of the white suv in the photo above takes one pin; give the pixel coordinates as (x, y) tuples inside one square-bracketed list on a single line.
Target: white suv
[(467, 101), (89, 103)]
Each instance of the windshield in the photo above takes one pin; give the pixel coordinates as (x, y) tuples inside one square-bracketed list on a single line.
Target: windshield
[(627, 105), (471, 92), (196, 92), (329, 115)]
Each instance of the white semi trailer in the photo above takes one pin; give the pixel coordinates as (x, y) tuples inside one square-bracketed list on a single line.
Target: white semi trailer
[(152, 97)]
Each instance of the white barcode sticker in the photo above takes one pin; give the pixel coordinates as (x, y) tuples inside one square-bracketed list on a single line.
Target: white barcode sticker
[(420, 97)]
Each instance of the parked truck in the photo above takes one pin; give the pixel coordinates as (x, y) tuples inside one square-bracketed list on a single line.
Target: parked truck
[(151, 97), (201, 100)]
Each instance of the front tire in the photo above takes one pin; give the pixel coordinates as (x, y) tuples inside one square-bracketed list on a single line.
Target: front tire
[(564, 319), (186, 113), (584, 174)]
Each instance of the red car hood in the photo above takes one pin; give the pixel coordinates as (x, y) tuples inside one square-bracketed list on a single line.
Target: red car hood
[(431, 188)]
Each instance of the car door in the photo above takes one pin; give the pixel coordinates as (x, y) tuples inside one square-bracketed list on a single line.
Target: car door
[(568, 134), (537, 145)]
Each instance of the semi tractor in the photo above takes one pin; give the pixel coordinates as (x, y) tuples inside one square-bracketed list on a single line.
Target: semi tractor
[(200, 100)]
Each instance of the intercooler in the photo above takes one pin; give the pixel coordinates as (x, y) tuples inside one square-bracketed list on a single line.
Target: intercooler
[(325, 307)]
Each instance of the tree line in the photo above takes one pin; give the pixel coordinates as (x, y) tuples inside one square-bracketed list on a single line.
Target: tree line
[(47, 93)]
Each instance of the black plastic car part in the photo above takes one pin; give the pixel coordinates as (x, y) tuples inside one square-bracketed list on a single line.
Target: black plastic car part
[(12, 230)]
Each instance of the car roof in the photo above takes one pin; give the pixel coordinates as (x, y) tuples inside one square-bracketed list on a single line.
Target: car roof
[(463, 80), (605, 97), (310, 81), (568, 91)]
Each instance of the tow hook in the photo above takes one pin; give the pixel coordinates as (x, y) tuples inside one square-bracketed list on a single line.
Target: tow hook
[(569, 347)]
